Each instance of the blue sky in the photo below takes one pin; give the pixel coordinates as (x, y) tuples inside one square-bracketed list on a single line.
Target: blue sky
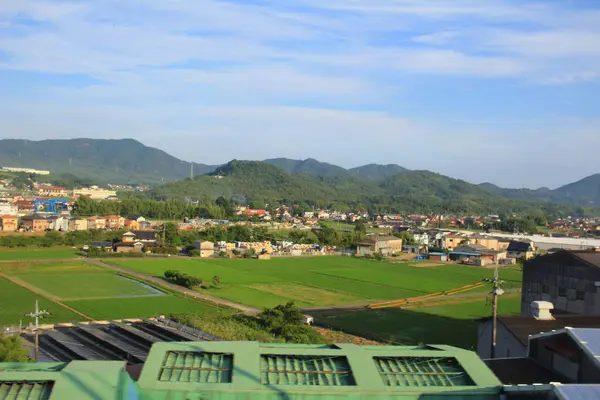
[(496, 90)]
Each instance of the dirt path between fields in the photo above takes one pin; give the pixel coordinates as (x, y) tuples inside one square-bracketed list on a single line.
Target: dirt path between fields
[(44, 294), (185, 292)]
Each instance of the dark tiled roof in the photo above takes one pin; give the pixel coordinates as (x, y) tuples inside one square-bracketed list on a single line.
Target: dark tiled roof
[(523, 325), (519, 246), (514, 371), (102, 244), (592, 257), (145, 235)]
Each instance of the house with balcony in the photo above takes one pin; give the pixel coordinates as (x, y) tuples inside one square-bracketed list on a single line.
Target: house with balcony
[(78, 224), (114, 222), (96, 222)]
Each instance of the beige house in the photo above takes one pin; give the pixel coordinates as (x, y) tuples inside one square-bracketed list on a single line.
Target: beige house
[(96, 222), (379, 244), (207, 249), (114, 222), (9, 223), (78, 224), (488, 242)]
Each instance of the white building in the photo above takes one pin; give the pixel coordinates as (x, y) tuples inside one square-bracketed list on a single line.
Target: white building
[(94, 193), (8, 209), (26, 170)]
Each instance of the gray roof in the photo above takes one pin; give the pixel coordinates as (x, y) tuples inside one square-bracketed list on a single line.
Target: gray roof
[(577, 392)]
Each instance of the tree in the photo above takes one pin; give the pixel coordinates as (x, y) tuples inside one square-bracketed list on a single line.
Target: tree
[(360, 228), (11, 349), (171, 234), (216, 281)]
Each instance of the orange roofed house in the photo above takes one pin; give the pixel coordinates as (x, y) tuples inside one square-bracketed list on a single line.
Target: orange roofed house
[(9, 223), (34, 223), (132, 225)]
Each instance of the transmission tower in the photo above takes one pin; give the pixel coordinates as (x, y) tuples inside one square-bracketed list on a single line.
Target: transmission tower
[(37, 314)]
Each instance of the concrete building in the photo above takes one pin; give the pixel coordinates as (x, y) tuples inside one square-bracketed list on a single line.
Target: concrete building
[(385, 245), (207, 249), (513, 331), (34, 223), (9, 223), (94, 193), (568, 356), (570, 280), (8, 209), (96, 222), (26, 170), (78, 224)]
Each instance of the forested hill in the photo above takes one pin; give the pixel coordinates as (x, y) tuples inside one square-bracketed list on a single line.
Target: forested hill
[(409, 191), (114, 161)]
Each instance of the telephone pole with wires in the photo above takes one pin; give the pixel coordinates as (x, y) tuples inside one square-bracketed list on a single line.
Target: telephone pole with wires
[(496, 291), (37, 314)]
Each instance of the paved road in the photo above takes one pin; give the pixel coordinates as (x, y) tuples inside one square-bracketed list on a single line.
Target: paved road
[(186, 292)]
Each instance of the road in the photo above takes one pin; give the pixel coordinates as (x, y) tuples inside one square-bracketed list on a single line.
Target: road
[(184, 291)]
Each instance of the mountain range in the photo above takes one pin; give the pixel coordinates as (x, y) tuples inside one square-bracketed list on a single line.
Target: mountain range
[(129, 161)]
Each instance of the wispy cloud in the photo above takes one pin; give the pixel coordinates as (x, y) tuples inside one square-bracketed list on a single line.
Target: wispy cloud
[(159, 58)]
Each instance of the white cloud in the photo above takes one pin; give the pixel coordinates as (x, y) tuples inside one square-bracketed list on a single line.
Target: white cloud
[(437, 38)]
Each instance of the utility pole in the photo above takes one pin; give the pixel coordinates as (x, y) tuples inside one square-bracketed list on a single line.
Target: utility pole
[(37, 314), (191, 170), (496, 291)]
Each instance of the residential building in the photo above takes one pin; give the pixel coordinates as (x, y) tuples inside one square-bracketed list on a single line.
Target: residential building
[(8, 209), (479, 253), (9, 223), (451, 241), (137, 218), (26, 170), (207, 249), (53, 191), (517, 249), (488, 242), (570, 280), (24, 207), (129, 244), (94, 193), (96, 222), (131, 224), (421, 237), (34, 223), (115, 222), (569, 356), (385, 245), (251, 212), (78, 224), (146, 237), (58, 223), (513, 331)]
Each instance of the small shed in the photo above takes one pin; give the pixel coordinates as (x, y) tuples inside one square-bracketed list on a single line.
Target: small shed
[(442, 257)]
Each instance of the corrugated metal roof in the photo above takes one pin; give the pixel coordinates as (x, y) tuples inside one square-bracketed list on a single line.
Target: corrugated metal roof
[(190, 366), (588, 338), (305, 370), (577, 392), (421, 371), (25, 390)]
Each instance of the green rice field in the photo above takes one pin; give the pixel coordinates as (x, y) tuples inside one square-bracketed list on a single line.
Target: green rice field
[(141, 307), (452, 324), (320, 281), (37, 254), (16, 301)]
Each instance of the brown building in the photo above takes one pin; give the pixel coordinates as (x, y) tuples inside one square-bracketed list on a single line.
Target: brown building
[(9, 223), (32, 223), (379, 244), (129, 244), (570, 280)]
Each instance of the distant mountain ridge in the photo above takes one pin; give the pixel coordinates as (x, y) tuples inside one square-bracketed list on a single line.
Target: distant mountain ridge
[(102, 160), (129, 161)]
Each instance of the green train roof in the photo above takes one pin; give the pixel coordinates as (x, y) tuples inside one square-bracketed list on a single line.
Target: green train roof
[(252, 370)]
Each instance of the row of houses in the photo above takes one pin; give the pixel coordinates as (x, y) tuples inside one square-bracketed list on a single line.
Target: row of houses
[(37, 223)]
